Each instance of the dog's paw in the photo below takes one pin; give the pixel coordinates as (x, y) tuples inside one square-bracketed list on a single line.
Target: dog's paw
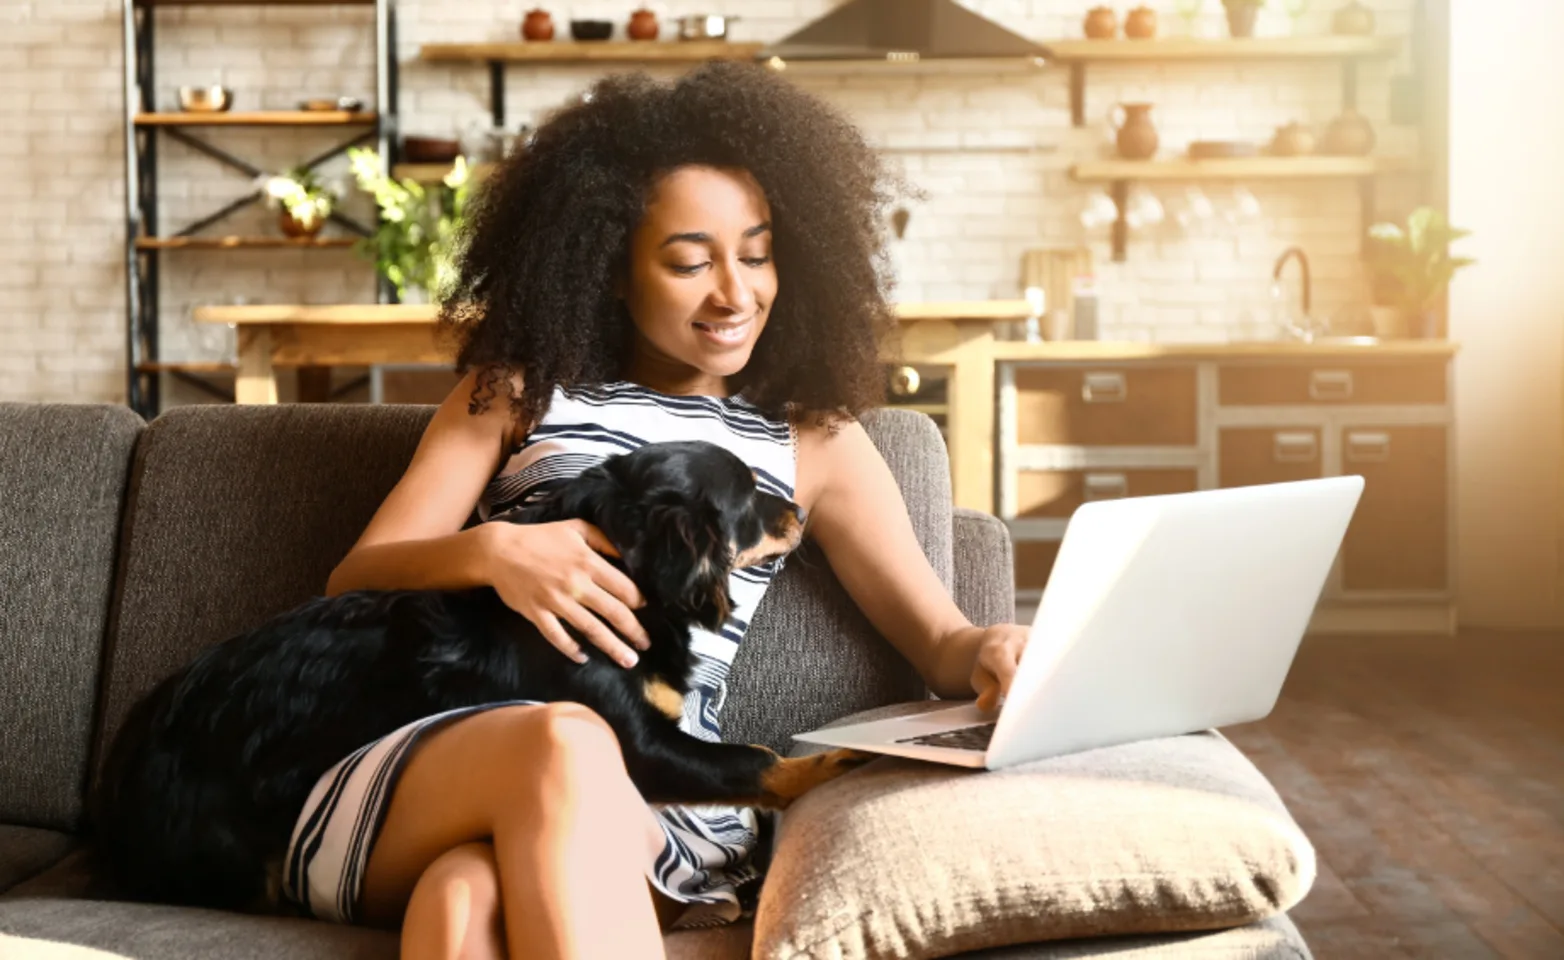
[(790, 778)]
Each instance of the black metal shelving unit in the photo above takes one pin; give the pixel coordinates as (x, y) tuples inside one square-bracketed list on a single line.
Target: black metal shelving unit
[(145, 245)]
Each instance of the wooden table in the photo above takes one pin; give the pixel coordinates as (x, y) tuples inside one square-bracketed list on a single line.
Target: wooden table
[(315, 338)]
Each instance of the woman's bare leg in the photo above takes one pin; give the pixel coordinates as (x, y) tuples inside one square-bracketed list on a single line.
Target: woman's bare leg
[(454, 912), (548, 784)]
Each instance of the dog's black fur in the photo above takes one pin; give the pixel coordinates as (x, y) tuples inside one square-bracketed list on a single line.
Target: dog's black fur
[(209, 771)]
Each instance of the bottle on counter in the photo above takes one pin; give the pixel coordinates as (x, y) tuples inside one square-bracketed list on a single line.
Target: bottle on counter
[(1086, 324)]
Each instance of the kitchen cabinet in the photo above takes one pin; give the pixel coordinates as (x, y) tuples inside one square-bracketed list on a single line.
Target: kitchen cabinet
[(1074, 430)]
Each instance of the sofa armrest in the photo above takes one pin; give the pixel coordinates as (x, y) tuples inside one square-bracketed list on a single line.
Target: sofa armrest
[(985, 568)]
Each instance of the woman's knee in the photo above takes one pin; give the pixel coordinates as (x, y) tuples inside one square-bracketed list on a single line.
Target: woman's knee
[(566, 743)]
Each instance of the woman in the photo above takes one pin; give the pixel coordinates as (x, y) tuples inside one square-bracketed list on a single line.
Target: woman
[(696, 260)]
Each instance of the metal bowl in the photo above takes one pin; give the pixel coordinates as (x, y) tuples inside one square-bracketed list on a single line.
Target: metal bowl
[(205, 99), (705, 27)]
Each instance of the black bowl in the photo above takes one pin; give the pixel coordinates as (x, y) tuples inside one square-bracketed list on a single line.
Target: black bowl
[(591, 29)]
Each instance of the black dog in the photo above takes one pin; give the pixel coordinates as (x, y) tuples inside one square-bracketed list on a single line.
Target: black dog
[(209, 771)]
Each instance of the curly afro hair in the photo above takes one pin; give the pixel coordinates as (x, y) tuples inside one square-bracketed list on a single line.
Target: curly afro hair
[(549, 232)]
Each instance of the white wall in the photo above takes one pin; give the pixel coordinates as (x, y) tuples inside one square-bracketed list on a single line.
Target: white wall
[(1506, 161), (61, 163)]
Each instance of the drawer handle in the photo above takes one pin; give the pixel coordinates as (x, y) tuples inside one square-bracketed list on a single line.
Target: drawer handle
[(1368, 446), (1296, 446), (1106, 486), (1330, 384), (1104, 388)]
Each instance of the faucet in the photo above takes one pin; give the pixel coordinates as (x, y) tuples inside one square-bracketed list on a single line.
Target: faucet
[(1303, 261)]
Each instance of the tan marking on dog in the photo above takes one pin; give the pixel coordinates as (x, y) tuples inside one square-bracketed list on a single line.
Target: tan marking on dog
[(666, 699), (790, 778), (772, 545)]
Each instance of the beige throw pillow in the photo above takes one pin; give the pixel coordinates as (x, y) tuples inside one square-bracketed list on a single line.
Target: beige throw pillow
[(906, 859)]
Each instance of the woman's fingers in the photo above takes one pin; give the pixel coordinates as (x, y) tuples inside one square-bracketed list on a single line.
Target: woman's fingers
[(594, 538), (549, 626), (596, 632), (612, 608)]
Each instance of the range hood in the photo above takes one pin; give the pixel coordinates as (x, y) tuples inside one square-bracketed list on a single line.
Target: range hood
[(901, 30)]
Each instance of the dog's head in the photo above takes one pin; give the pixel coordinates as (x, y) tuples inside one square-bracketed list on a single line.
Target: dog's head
[(683, 516)]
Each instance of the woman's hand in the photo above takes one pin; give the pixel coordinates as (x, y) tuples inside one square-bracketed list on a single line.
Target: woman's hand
[(998, 655), (549, 572)]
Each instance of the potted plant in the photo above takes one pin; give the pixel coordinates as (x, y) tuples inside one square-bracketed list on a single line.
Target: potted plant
[(1241, 16), (415, 243), (1411, 267), (303, 202)]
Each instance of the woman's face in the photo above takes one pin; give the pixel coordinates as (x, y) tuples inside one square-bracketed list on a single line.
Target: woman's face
[(701, 280)]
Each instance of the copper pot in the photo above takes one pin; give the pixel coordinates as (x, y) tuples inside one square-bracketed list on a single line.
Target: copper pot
[(537, 25), (1349, 135), (1102, 23), (1293, 140), (1141, 24), (1136, 136), (292, 227), (1353, 20), (643, 25)]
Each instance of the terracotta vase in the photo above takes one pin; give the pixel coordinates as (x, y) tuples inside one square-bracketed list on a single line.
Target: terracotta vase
[(643, 25), (1136, 135), (1241, 16), (292, 227), (1102, 24), (537, 25), (1349, 135), (1353, 20), (1141, 24)]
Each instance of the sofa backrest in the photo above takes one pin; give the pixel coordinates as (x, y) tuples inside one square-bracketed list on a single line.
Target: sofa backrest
[(238, 513), (63, 472)]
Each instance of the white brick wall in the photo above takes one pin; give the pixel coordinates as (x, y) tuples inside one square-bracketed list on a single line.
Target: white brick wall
[(61, 164)]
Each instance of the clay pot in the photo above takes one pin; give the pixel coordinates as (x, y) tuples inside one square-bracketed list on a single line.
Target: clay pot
[(643, 25), (293, 228), (1141, 24), (1102, 24), (1353, 20), (1293, 140), (1241, 16), (1349, 135), (1136, 136), (537, 25)]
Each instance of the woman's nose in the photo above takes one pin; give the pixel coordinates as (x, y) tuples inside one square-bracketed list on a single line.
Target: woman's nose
[(732, 293)]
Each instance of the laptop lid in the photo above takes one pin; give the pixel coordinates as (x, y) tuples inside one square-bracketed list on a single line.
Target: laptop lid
[(1171, 614)]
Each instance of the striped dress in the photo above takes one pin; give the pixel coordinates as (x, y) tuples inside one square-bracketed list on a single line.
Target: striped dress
[(707, 859)]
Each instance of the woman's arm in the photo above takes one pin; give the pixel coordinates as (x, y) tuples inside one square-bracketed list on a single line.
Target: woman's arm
[(858, 516), (415, 540)]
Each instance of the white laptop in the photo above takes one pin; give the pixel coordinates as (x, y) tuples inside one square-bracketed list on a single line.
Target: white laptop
[(1163, 615)]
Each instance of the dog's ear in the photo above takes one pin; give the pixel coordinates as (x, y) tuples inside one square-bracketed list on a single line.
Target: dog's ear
[(683, 556)]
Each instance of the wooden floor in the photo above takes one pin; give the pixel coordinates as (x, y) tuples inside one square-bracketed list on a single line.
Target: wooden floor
[(1429, 773)]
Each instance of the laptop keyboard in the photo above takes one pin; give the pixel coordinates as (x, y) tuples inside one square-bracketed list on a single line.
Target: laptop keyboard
[(962, 738)]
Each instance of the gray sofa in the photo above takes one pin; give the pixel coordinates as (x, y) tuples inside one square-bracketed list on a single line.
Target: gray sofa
[(126, 547)]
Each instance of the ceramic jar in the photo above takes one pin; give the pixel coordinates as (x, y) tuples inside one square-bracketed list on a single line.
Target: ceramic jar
[(1349, 135), (1241, 16), (1141, 24), (1354, 20), (643, 25), (537, 25), (1102, 24), (1135, 135)]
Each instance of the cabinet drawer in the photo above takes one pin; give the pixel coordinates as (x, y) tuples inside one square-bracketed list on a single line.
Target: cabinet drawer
[(1034, 562), (1105, 406), (1250, 455), (1274, 384), (1399, 536), (1054, 494)]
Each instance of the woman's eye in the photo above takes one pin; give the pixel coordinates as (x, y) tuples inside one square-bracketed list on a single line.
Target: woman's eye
[(756, 261), (688, 269)]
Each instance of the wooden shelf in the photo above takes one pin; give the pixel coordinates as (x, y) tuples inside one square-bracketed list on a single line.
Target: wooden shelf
[(1236, 168), (185, 366), (601, 51), (256, 118), (243, 243), (436, 172), (1260, 48), (254, 3)]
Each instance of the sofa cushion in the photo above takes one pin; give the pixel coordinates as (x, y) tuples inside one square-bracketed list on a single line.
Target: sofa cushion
[(63, 470), (910, 859), (28, 851), (1274, 938)]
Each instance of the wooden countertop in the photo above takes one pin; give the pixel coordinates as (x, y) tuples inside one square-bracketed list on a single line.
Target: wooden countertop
[(350, 313)]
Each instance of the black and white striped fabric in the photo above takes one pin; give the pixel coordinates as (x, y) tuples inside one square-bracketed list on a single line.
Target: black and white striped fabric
[(708, 851)]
